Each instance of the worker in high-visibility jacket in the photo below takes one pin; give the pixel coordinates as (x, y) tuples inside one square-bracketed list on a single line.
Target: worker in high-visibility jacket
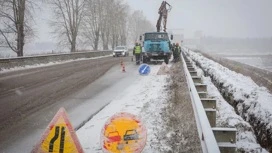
[(137, 51), (176, 52)]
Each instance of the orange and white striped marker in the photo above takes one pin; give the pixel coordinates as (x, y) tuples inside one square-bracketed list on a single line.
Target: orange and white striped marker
[(123, 66)]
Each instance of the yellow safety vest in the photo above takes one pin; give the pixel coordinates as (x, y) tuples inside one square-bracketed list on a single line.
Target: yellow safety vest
[(138, 49)]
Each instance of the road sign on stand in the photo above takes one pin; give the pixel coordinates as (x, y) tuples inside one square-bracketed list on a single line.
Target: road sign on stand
[(123, 133), (59, 136), (144, 69)]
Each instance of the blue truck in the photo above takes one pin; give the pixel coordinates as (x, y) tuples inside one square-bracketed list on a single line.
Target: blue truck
[(156, 46)]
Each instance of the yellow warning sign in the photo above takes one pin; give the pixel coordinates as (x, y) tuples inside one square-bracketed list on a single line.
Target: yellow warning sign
[(123, 133), (59, 137)]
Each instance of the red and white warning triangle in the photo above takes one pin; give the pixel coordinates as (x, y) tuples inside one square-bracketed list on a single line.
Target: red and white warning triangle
[(59, 136)]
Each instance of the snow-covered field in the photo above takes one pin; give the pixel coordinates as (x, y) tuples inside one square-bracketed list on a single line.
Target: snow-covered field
[(252, 103), (146, 97), (259, 62)]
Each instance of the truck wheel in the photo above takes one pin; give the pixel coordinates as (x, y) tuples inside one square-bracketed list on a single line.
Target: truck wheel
[(166, 59)]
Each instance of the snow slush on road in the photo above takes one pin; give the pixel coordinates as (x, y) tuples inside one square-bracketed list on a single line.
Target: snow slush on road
[(148, 98)]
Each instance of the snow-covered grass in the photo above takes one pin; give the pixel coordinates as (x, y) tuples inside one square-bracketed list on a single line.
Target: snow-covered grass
[(250, 101), (226, 117), (47, 64), (144, 98), (261, 62)]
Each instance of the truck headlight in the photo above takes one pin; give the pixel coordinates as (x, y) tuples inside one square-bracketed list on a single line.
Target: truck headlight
[(113, 53), (123, 53)]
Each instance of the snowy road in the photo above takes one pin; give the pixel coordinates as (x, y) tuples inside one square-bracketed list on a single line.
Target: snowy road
[(21, 126), (167, 114), (152, 98)]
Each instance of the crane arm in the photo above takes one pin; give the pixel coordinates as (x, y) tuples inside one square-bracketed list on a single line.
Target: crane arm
[(163, 14)]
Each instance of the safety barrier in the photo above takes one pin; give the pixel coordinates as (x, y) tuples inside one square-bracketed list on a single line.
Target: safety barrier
[(213, 140), (31, 60)]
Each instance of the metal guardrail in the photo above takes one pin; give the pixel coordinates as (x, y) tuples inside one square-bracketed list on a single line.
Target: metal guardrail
[(207, 138), (7, 63)]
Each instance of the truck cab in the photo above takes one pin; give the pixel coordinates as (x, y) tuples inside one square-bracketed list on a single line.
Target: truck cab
[(157, 46)]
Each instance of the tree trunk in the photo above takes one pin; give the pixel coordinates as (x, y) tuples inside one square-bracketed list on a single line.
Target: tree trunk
[(105, 45), (112, 43), (73, 44), (73, 47), (123, 40), (20, 28), (20, 40), (96, 41), (116, 40), (103, 37), (107, 40)]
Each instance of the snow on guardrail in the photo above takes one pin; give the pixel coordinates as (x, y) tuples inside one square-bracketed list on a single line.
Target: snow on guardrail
[(208, 141), (252, 102)]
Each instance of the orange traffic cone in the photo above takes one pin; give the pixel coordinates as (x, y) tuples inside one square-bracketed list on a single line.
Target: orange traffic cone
[(121, 63), (123, 68)]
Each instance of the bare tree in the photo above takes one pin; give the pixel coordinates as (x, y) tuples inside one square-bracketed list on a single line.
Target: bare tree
[(109, 22), (106, 17), (138, 24), (15, 16), (118, 23), (105, 23), (68, 16), (92, 22)]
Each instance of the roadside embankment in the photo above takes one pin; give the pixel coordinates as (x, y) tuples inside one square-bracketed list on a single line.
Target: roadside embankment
[(178, 116), (250, 101)]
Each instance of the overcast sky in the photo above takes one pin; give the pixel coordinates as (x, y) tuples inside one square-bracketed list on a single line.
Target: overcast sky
[(222, 18)]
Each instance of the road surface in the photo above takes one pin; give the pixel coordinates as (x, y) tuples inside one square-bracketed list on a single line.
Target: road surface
[(30, 98)]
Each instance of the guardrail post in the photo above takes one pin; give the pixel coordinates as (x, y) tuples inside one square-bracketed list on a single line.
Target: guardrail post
[(197, 79), (191, 68), (202, 94), (193, 73), (225, 137), (211, 114), (208, 103), (201, 87), (208, 141)]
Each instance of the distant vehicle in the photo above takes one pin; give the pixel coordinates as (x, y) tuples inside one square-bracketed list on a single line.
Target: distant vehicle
[(131, 135), (120, 51)]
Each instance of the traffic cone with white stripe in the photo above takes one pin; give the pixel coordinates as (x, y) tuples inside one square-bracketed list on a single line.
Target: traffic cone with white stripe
[(123, 66)]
